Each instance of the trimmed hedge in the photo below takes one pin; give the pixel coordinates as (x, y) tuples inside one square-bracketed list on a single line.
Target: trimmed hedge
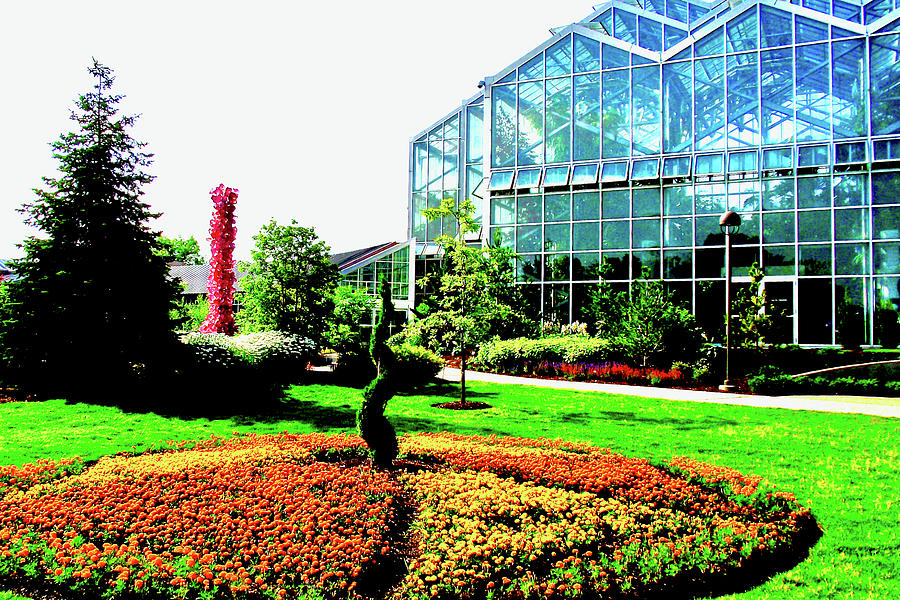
[(773, 382), (522, 355), (416, 365)]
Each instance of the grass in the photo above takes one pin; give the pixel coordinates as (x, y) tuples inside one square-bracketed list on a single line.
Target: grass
[(846, 467)]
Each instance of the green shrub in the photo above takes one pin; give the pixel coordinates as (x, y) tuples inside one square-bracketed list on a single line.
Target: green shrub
[(415, 365), (520, 355)]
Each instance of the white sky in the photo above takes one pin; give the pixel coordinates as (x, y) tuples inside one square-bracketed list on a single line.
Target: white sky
[(306, 107)]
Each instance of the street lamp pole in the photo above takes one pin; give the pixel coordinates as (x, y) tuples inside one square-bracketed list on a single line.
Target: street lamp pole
[(729, 222)]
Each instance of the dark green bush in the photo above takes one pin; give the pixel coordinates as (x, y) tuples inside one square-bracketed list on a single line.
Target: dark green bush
[(519, 355), (415, 365)]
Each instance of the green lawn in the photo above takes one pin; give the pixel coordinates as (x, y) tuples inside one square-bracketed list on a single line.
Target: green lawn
[(846, 467)]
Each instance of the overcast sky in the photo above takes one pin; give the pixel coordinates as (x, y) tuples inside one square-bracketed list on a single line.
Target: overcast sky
[(306, 107)]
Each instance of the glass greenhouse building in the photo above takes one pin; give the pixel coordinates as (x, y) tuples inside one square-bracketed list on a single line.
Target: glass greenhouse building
[(626, 135)]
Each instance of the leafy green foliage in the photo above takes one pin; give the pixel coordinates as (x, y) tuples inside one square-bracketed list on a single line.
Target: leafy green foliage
[(351, 307), (190, 315), (289, 283), (373, 426), (179, 249), (646, 323), (90, 309), (419, 365), (521, 355), (754, 314)]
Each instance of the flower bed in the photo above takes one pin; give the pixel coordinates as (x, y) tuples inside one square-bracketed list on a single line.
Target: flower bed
[(607, 372), (305, 516)]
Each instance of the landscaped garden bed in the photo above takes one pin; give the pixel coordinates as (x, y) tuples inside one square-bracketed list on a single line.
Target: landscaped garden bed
[(288, 516)]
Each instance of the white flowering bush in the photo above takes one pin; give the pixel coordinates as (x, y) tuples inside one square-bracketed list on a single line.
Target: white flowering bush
[(269, 353)]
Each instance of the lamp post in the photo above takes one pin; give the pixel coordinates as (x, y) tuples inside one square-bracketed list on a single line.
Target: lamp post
[(729, 222)]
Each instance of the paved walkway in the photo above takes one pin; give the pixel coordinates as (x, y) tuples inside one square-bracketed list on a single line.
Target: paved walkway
[(849, 404)]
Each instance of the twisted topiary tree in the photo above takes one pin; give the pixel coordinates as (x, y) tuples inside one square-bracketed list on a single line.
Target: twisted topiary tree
[(373, 427)]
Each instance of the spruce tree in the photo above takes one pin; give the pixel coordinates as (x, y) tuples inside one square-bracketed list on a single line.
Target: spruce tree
[(90, 310)]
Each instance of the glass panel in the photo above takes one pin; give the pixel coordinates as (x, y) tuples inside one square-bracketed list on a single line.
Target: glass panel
[(615, 204), (778, 228), (887, 303), (743, 196), (509, 78), (501, 180), (503, 211), (587, 54), (848, 77), (838, 32), (649, 34), (451, 127), (588, 117), (618, 264), (777, 91), (531, 123), (711, 43), (709, 164), (709, 198), (822, 6), (645, 264), (528, 209), (673, 35), (709, 103), (749, 233), (614, 58), (885, 83), (420, 166), (586, 266), (503, 237), (886, 188), (678, 232), (851, 310), (710, 262), (810, 31), (677, 9), (778, 158), (813, 92), (615, 124), (851, 190), (586, 236), (646, 112), (625, 25), (696, 12), (528, 178), (645, 169), (778, 194), (533, 69), (677, 116), (556, 176), (586, 206), (556, 207), (778, 260), (815, 260), (678, 200), (435, 165), (474, 133), (814, 311), (433, 228), (503, 126), (886, 257), (616, 171), (615, 235), (851, 224), (528, 267), (877, 9), (707, 232), (451, 164), (556, 302), (850, 153), (850, 259), (741, 32), (528, 238), (585, 174), (418, 219), (559, 57), (739, 162), (559, 119), (812, 156), (645, 202), (886, 223), (556, 237), (886, 149), (677, 264), (774, 27), (678, 166), (814, 226)]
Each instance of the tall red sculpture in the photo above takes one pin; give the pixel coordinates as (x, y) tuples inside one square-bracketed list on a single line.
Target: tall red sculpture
[(220, 285)]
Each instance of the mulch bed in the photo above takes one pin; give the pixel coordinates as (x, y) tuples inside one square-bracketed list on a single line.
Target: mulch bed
[(460, 405)]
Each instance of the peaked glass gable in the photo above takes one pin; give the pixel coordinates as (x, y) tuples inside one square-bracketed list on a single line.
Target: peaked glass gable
[(684, 110)]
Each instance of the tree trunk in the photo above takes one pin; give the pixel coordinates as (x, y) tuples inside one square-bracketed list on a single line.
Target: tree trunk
[(462, 377)]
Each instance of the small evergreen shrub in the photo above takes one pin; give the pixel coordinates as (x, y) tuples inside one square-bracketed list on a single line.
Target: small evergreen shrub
[(415, 365)]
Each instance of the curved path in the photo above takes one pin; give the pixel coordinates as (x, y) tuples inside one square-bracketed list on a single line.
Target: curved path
[(865, 405)]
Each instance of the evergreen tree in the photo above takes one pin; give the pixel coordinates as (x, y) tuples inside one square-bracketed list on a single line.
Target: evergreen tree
[(90, 310), (373, 426)]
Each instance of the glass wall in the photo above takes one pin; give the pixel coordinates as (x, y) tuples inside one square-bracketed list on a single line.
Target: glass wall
[(368, 276), (602, 154)]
